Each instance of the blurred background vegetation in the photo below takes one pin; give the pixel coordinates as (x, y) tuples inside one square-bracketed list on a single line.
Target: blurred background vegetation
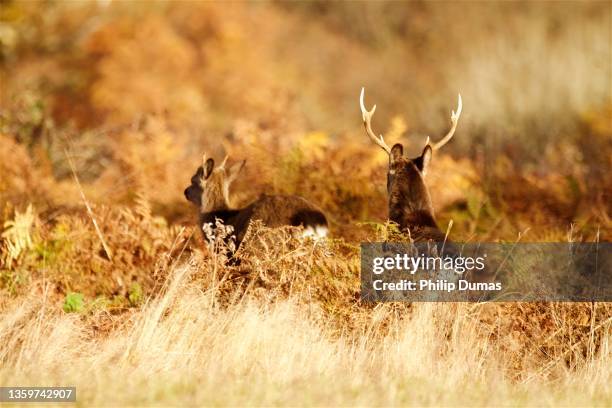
[(128, 95), (134, 92)]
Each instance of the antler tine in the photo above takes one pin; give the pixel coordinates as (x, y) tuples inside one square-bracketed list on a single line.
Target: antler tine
[(451, 132), (367, 123), (224, 161)]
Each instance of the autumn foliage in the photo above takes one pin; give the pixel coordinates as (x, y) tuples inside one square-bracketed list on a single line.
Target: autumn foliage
[(107, 107)]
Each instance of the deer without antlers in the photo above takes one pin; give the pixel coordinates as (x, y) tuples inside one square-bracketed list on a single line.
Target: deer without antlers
[(409, 200), (209, 191)]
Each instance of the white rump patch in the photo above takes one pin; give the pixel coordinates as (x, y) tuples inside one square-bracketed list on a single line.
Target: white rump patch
[(315, 233)]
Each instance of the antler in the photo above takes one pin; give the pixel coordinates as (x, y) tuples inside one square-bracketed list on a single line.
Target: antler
[(451, 132), (367, 123), (224, 160)]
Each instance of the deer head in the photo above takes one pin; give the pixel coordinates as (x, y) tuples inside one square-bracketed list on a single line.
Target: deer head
[(409, 199), (209, 189)]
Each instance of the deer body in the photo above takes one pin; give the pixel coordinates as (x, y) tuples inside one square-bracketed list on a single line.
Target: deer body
[(209, 190), (409, 199), (272, 211)]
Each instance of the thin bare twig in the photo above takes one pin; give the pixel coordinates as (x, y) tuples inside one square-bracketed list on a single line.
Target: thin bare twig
[(89, 210)]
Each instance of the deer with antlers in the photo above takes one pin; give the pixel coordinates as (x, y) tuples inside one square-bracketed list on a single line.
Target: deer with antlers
[(409, 200), (209, 191)]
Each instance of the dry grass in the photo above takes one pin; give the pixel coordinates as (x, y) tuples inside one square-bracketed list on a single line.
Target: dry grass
[(286, 327), (183, 348)]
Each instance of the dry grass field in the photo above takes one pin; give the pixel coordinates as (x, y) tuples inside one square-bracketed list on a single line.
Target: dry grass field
[(106, 284)]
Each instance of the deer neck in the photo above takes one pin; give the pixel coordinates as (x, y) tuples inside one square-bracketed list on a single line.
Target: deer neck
[(411, 207), (215, 198)]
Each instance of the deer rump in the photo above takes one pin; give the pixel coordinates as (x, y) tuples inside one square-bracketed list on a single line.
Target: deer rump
[(272, 211)]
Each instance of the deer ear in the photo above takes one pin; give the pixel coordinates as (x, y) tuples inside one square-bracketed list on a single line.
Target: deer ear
[(209, 165), (397, 151), (195, 179), (425, 159), (235, 170)]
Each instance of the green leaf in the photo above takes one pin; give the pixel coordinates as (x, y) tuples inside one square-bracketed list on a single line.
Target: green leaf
[(135, 294), (74, 303)]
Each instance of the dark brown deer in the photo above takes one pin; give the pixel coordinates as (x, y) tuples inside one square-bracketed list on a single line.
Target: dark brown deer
[(409, 200), (209, 191)]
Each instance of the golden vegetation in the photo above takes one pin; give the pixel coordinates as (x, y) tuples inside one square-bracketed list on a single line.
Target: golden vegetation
[(133, 94)]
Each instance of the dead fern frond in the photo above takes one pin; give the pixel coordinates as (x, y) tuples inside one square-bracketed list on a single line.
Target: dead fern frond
[(17, 236)]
